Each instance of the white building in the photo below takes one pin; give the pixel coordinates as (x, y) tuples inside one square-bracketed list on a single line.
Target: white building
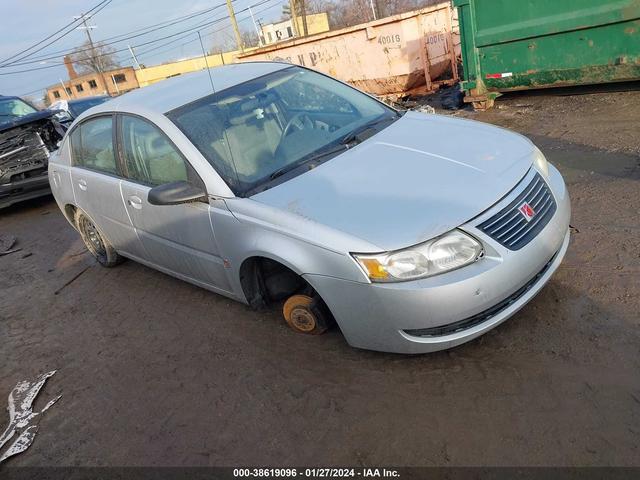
[(277, 32)]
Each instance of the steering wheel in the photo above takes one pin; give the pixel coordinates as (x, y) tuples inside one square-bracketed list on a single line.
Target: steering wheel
[(303, 119)]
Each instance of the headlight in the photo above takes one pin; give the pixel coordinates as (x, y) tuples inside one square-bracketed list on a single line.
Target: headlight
[(541, 163), (442, 254)]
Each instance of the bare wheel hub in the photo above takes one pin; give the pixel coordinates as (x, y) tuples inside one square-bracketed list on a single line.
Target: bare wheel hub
[(301, 316), (303, 319)]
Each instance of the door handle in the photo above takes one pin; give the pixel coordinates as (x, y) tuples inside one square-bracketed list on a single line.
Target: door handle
[(135, 202), (82, 184)]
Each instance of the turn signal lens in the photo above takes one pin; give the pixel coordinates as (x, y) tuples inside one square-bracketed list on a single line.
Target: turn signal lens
[(374, 269)]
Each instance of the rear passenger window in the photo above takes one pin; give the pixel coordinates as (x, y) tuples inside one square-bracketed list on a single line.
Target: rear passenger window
[(149, 156), (92, 145)]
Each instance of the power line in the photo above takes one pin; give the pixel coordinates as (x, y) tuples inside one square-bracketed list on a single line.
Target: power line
[(57, 64), (71, 26), (121, 38), (145, 52), (82, 50), (149, 29), (191, 30), (32, 91)]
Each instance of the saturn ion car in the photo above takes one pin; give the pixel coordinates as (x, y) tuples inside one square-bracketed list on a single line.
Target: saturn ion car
[(276, 185)]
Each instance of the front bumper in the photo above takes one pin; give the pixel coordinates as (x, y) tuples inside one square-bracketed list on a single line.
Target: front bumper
[(33, 187), (389, 317)]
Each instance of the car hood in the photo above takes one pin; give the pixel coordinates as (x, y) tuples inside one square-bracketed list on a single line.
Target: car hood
[(418, 178)]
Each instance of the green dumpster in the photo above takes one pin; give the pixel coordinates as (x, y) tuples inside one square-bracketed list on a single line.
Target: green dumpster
[(522, 44)]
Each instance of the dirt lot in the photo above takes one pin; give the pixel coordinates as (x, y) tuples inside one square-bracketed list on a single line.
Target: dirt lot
[(154, 371)]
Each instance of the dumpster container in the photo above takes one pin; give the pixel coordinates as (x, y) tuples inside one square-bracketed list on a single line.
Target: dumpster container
[(391, 56), (514, 45)]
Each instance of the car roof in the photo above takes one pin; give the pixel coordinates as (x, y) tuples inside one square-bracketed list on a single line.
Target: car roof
[(174, 92)]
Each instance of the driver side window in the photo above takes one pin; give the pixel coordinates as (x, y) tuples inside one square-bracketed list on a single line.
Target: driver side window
[(150, 158)]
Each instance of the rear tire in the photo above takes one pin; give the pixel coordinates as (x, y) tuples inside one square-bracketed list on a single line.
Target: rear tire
[(95, 241), (306, 315)]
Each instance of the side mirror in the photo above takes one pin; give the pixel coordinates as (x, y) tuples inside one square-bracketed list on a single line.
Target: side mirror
[(176, 193)]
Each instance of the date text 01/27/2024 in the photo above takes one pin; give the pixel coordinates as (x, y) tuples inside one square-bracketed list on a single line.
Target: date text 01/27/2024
[(315, 473)]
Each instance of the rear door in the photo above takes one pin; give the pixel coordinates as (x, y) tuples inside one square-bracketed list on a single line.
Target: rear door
[(95, 176), (177, 238)]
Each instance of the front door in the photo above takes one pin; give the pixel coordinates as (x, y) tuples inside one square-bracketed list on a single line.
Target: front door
[(177, 238)]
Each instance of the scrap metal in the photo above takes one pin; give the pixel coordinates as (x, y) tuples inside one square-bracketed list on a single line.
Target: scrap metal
[(23, 421)]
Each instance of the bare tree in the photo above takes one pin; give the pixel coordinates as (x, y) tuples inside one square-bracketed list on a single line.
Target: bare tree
[(346, 13), (96, 59), (250, 38), (223, 43)]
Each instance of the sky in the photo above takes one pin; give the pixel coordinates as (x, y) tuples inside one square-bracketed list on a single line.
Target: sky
[(33, 20)]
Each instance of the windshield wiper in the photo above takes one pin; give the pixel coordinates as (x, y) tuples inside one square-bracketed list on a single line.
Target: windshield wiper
[(353, 135), (305, 160)]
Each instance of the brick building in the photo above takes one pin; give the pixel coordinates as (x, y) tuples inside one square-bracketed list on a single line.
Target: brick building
[(111, 82)]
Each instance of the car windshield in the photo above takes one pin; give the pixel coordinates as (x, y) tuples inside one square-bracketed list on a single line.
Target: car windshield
[(265, 131), (78, 106), (14, 107)]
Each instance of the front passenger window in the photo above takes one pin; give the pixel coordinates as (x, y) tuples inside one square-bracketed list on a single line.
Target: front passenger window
[(149, 156)]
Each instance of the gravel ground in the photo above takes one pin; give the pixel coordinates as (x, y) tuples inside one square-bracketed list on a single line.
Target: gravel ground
[(154, 371)]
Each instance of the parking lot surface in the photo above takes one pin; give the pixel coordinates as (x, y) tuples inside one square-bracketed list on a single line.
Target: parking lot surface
[(154, 371)]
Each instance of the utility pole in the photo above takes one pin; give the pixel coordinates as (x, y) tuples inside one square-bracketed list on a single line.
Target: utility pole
[(64, 89), (133, 54), (234, 24), (303, 14), (95, 61), (294, 16), (116, 85), (255, 25), (373, 10), (380, 8)]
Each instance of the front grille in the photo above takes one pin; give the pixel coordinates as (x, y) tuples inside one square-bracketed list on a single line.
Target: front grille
[(482, 316), (510, 228), (21, 149)]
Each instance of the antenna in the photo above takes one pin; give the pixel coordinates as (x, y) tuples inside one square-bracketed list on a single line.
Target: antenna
[(206, 62), (224, 130)]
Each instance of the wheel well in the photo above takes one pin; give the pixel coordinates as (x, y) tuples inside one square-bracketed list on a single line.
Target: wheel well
[(265, 281), (70, 213)]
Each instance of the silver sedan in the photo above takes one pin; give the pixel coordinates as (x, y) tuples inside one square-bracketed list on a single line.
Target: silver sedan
[(275, 185)]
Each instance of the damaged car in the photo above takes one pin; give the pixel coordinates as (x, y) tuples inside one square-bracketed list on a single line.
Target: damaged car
[(273, 184), (27, 138), (68, 110)]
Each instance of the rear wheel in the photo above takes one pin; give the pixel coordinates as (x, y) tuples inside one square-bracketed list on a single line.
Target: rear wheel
[(306, 314), (95, 241)]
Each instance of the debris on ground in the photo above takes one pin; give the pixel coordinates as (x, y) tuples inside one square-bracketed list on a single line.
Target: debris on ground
[(73, 279), (23, 421), (6, 242), (7, 252), (428, 109)]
